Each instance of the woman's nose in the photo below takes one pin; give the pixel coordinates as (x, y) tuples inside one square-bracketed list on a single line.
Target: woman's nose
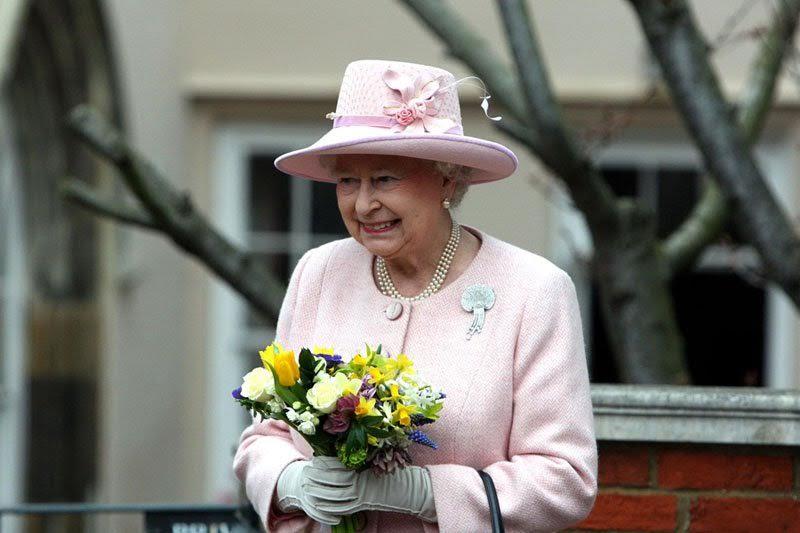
[(365, 201)]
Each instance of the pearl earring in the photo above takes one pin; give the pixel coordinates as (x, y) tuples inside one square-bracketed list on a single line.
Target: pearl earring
[(446, 203)]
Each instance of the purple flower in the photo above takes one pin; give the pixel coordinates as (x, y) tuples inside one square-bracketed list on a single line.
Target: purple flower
[(421, 438), (331, 361), (347, 404), (237, 394), (339, 420), (336, 423)]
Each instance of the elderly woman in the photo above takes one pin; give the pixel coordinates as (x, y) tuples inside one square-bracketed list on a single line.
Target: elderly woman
[(494, 326)]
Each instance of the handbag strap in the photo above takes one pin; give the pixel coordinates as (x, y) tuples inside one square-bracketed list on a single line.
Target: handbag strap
[(494, 505)]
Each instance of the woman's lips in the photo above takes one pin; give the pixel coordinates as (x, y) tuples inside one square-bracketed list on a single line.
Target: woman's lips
[(372, 231)]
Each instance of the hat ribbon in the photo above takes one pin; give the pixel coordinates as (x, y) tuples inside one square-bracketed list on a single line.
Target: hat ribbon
[(376, 121)]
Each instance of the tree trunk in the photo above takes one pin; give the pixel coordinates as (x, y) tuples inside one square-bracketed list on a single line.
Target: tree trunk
[(633, 277)]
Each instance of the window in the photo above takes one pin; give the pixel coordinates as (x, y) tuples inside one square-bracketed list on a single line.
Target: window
[(278, 218), (285, 217), (748, 343), (709, 324)]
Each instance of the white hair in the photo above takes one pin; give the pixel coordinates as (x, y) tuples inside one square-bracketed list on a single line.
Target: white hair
[(458, 173)]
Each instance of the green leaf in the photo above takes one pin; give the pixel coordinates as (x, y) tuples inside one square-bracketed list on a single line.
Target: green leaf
[(380, 433), (285, 393), (356, 438), (307, 365), (371, 420)]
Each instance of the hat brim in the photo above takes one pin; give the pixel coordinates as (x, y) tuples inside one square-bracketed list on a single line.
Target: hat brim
[(490, 160)]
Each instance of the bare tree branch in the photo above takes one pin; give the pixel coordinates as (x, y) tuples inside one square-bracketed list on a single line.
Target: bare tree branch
[(471, 48), (557, 147), (173, 214), (82, 194), (683, 55), (590, 193), (709, 215)]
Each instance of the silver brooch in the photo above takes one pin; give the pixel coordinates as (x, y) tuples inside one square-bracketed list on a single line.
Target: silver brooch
[(477, 299)]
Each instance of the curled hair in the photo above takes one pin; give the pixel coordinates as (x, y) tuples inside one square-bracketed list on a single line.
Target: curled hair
[(458, 173)]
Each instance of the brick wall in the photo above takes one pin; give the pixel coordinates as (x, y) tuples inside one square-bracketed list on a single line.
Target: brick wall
[(696, 488)]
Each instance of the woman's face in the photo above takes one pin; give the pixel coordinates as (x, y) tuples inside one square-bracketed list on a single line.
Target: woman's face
[(391, 204)]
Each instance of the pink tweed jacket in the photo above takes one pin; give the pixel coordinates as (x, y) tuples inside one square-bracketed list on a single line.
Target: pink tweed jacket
[(518, 402)]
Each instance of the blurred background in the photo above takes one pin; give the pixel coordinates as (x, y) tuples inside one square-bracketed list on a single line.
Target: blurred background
[(118, 352)]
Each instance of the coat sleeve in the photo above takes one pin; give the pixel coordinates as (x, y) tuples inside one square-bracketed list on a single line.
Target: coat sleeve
[(266, 446), (550, 480)]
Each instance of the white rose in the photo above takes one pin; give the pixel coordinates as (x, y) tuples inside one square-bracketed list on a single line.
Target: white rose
[(258, 385), (323, 395)]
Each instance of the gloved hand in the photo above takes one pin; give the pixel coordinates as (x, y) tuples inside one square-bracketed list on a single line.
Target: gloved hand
[(340, 491), (292, 496)]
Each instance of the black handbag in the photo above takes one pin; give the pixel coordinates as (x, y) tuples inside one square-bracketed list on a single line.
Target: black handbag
[(494, 505)]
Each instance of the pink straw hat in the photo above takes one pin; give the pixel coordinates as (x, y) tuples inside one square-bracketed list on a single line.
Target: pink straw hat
[(405, 109)]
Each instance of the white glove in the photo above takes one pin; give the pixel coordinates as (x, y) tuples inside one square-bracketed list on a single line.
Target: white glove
[(341, 491), (292, 496)]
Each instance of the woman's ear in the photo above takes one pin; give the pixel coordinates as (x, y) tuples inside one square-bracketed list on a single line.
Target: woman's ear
[(448, 186)]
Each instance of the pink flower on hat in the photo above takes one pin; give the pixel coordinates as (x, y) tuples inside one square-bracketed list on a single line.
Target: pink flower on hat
[(415, 111)]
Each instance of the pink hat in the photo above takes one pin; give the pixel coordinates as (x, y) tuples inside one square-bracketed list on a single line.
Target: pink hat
[(406, 109)]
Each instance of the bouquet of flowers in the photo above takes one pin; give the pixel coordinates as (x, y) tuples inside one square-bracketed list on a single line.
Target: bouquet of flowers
[(366, 411)]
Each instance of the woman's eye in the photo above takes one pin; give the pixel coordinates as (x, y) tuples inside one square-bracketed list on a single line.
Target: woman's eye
[(385, 179)]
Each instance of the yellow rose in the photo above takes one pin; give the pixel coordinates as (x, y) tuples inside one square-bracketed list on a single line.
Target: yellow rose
[(286, 368), (268, 354)]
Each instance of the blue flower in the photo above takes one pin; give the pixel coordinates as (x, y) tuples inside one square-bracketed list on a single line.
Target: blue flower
[(420, 420), (331, 361), (237, 394), (421, 438)]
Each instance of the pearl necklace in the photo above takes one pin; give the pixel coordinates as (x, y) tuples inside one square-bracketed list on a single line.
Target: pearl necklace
[(385, 280)]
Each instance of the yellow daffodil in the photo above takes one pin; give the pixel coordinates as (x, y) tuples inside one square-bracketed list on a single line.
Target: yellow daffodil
[(377, 376), (394, 393), (390, 369), (268, 354), (404, 364), (403, 413), (286, 368), (358, 360), (371, 440), (320, 350), (364, 406)]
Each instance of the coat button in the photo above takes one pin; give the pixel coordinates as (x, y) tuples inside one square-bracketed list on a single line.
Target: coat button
[(393, 311)]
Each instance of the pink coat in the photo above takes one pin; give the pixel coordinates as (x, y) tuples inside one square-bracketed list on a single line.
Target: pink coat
[(518, 402)]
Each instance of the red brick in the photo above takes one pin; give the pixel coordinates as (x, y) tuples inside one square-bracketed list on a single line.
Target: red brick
[(627, 512), (745, 515), (709, 470), (624, 467)]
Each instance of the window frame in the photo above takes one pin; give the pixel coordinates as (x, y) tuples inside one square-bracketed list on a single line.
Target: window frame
[(13, 291), (233, 143)]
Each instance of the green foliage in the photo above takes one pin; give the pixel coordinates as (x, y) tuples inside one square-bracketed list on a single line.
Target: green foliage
[(308, 364)]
